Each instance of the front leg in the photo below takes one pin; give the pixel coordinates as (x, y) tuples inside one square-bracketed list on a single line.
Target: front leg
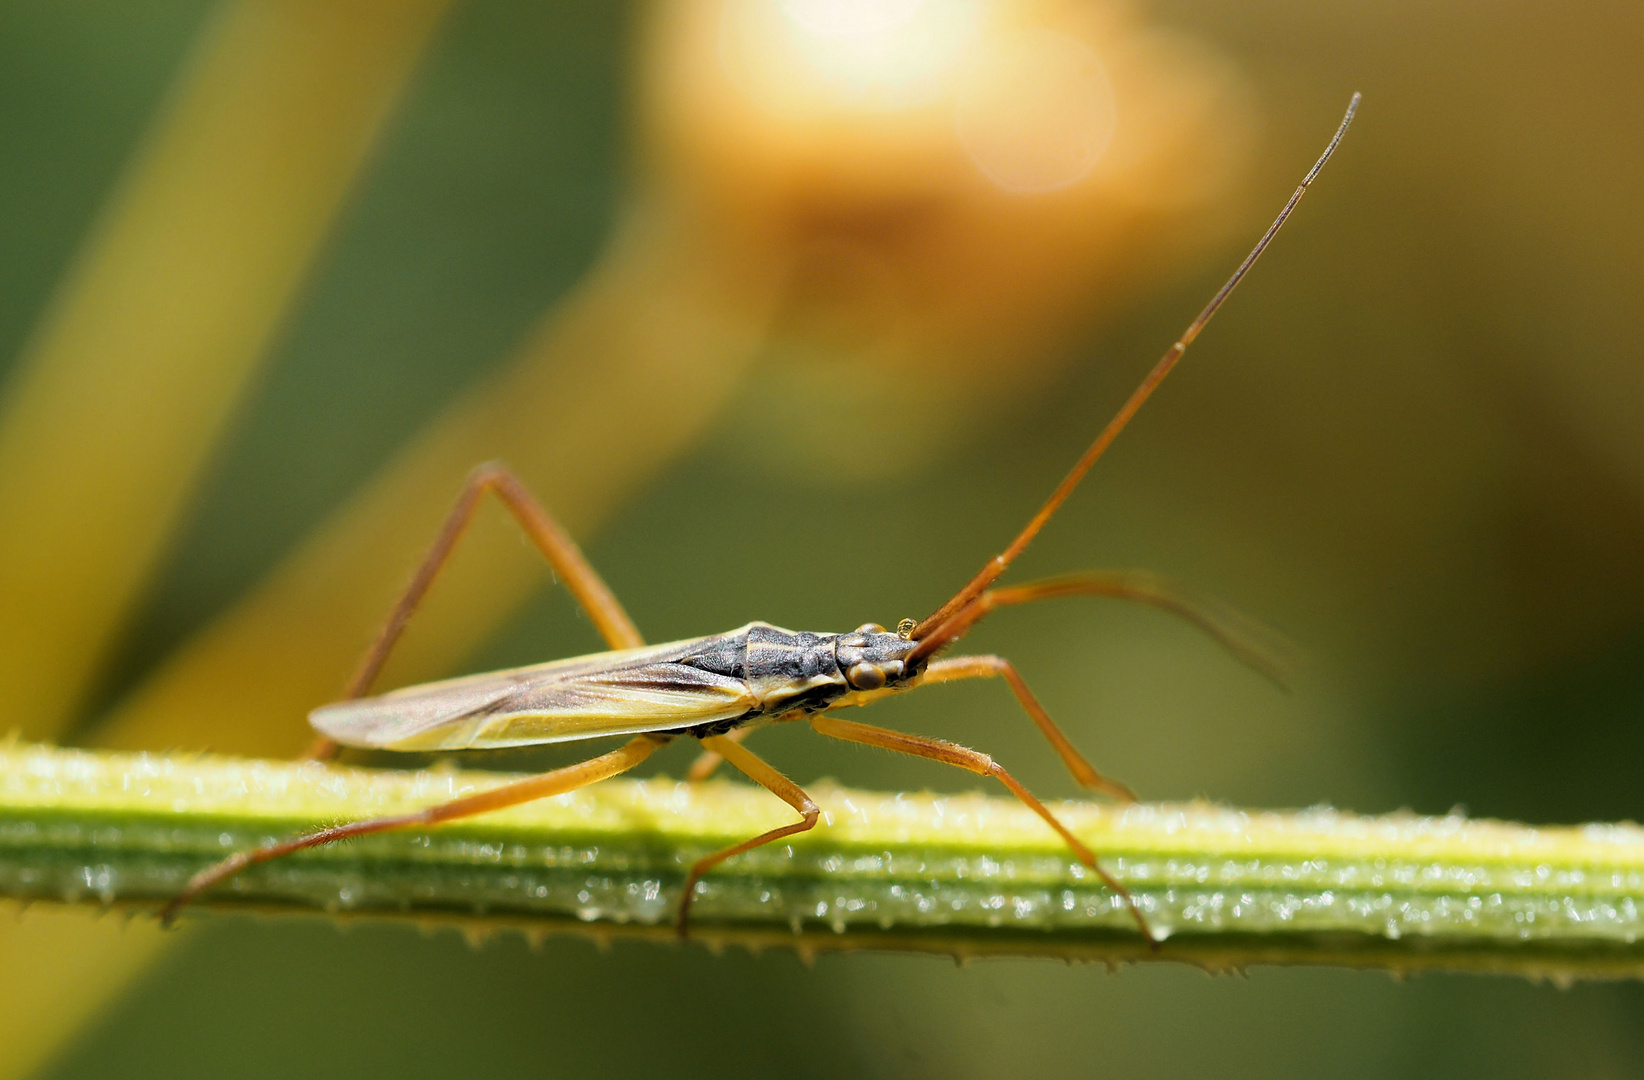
[(985, 667), (983, 765), (761, 773), (707, 762)]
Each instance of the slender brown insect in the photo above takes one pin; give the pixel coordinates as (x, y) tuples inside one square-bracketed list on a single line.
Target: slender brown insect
[(717, 689)]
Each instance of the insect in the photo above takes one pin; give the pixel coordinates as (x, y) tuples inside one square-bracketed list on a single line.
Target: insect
[(719, 688)]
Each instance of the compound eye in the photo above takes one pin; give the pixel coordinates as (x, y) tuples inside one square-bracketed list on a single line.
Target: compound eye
[(870, 628), (865, 676)]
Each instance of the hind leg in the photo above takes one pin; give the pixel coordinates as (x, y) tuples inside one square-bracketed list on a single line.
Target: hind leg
[(556, 545)]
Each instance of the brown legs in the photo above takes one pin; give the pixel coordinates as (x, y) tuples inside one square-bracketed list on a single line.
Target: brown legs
[(585, 585), (631, 754), (619, 632), (976, 667), (556, 782), (1248, 640), (762, 774), (562, 553), (983, 765), (982, 667), (730, 749), (708, 761)]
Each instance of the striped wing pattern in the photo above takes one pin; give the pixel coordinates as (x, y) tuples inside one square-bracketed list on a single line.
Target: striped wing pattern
[(616, 693)]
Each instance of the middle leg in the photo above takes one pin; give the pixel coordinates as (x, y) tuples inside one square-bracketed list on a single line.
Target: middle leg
[(766, 777), (708, 761)]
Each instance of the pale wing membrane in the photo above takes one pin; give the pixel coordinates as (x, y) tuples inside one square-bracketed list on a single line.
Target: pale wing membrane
[(620, 693)]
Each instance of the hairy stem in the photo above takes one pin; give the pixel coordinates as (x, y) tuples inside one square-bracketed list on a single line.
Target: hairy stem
[(966, 875)]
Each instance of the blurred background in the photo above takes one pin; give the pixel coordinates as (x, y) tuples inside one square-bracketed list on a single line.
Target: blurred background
[(795, 310)]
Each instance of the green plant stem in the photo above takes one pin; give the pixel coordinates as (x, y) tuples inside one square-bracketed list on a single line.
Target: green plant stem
[(966, 875)]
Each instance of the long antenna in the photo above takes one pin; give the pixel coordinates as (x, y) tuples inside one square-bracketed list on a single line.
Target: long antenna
[(995, 566)]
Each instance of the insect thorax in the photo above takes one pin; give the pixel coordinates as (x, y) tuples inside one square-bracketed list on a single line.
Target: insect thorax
[(801, 672)]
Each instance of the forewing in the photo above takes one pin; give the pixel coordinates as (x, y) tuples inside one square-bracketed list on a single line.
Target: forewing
[(621, 693)]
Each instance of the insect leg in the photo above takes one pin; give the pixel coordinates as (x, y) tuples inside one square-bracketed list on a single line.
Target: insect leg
[(762, 774), (562, 553), (984, 667), (983, 765), (556, 782), (708, 761)]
